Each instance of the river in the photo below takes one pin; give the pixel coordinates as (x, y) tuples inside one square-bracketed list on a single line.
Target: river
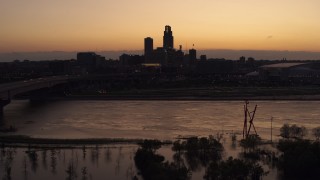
[(163, 120), (154, 119)]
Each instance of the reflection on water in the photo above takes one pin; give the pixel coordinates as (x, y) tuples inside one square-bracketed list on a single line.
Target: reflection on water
[(68, 163), (112, 161), (134, 119), (153, 119)]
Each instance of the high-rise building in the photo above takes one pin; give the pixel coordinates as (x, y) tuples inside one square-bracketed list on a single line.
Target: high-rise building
[(193, 55), (148, 49), (167, 38), (148, 45)]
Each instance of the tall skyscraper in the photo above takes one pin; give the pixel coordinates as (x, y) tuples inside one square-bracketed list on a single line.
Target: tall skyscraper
[(167, 38), (148, 45), (148, 49)]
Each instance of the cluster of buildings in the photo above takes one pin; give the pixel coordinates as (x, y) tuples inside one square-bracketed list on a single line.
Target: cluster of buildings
[(177, 61), (165, 56), (165, 61)]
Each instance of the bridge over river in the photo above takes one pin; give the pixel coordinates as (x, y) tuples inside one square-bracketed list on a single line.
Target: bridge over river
[(37, 86), (9, 90)]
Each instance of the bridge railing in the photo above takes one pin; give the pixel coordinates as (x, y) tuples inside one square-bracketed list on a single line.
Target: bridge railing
[(9, 90)]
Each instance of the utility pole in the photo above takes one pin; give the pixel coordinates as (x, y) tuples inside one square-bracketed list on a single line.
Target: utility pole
[(271, 127)]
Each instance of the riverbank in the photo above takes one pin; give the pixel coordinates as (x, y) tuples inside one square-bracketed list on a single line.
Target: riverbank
[(194, 98), (22, 141), (27, 141), (205, 93)]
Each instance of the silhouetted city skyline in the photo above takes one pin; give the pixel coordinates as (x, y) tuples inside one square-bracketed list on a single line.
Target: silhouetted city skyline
[(137, 89), (213, 53), (35, 26)]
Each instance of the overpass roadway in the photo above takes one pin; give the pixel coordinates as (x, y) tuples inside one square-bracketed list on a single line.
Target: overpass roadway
[(9, 90)]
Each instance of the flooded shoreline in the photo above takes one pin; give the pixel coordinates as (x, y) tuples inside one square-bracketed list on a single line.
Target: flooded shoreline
[(100, 138), (14, 139), (115, 161), (118, 160), (141, 119)]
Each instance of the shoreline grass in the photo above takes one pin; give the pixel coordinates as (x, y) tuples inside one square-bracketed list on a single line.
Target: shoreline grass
[(22, 139)]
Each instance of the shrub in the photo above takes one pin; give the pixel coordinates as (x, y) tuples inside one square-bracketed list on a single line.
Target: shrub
[(299, 158), (316, 132), (234, 169), (285, 131), (199, 151), (293, 131), (150, 145), (152, 166), (251, 141)]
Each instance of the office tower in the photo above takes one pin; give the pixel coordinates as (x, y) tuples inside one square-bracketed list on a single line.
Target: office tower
[(148, 45), (148, 49), (193, 55), (167, 38)]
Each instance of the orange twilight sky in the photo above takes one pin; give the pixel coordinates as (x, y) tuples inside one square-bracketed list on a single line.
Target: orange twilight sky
[(96, 25)]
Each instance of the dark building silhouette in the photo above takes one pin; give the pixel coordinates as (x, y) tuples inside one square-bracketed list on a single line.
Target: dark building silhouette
[(215, 66), (148, 49), (127, 60), (86, 56), (242, 59), (160, 56), (179, 57), (203, 58), (167, 56), (167, 38), (193, 55), (89, 60)]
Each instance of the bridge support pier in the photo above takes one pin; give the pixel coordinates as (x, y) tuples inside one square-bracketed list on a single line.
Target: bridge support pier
[(38, 96), (3, 102)]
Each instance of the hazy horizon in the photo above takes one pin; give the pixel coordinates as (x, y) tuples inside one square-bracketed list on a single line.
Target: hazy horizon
[(45, 25), (211, 53)]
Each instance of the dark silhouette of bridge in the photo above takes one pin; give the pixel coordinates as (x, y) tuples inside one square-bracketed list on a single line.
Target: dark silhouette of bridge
[(10, 90)]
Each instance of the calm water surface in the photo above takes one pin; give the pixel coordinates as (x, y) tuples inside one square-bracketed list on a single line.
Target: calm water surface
[(153, 119), (132, 119)]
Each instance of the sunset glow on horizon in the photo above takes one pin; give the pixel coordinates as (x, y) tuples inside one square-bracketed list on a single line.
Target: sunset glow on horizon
[(46, 25)]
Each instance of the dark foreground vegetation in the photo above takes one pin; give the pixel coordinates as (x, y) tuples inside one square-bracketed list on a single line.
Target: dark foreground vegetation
[(196, 152), (154, 166), (300, 159), (293, 156)]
